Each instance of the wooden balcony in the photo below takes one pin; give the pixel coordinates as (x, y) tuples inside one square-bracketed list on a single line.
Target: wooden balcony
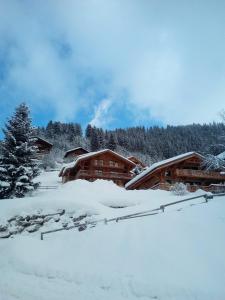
[(85, 174), (199, 174)]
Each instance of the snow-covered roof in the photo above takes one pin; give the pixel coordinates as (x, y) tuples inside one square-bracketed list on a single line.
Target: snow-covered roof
[(39, 138), (91, 154), (158, 165), (74, 149)]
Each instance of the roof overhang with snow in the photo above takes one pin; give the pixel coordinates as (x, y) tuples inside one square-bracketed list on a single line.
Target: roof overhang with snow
[(89, 155), (38, 139), (133, 183), (74, 150)]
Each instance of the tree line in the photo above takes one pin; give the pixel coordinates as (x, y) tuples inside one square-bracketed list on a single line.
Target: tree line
[(18, 153), (148, 144)]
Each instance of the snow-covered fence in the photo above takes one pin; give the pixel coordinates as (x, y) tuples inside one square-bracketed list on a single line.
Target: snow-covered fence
[(219, 195), (206, 196), (80, 226), (152, 212), (47, 187), (135, 215)]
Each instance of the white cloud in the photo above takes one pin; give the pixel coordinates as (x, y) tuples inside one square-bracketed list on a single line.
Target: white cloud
[(159, 53), (101, 116)]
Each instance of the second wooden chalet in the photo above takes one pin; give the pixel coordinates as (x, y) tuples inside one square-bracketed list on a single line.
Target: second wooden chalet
[(185, 168), (73, 153), (105, 164), (43, 146)]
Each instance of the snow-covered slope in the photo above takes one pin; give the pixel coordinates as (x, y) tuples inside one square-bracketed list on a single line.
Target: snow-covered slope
[(178, 254)]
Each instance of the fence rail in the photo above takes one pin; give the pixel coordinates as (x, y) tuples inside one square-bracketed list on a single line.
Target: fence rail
[(150, 212), (47, 187)]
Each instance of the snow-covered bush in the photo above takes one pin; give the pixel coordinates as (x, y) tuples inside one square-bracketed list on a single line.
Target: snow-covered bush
[(179, 189), (17, 164)]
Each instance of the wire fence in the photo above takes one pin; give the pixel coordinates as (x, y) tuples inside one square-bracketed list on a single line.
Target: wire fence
[(47, 187), (151, 212)]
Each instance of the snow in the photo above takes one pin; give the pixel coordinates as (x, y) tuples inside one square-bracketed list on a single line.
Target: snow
[(159, 164), (175, 255), (221, 155), (4, 184)]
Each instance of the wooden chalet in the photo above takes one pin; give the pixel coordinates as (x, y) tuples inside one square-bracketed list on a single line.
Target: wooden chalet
[(185, 168), (136, 161), (105, 164), (44, 147), (70, 154)]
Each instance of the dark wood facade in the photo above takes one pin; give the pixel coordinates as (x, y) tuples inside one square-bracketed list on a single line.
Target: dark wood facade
[(73, 153), (105, 164), (185, 168), (43, 146)]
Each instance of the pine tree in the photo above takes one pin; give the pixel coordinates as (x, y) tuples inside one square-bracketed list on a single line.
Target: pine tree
[(94, 140), (101, 138), (18, 166), (88, 131), (111, 142)]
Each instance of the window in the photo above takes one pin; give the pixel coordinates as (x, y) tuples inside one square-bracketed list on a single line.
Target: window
[(85, 164), (98, 162), (113, 164), (99, 172)]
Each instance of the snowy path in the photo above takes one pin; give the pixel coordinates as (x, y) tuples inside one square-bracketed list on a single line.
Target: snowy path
[(170, 256)]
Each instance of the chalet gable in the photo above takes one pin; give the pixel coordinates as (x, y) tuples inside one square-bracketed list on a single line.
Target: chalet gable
[(43, 142), (98, 160), (134, 182)]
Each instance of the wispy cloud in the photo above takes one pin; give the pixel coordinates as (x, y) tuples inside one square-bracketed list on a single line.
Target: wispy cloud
[(101, 116)]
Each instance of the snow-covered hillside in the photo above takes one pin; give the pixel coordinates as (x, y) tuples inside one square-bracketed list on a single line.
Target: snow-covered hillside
[(178, 254)]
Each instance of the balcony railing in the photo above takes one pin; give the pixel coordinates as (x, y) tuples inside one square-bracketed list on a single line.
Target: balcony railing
[(199, 174), (103, 175)]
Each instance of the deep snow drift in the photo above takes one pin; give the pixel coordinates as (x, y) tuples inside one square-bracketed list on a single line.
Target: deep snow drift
[(178, 254)]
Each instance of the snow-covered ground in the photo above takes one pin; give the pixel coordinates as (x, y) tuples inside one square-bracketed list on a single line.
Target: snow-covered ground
[(178, 254)]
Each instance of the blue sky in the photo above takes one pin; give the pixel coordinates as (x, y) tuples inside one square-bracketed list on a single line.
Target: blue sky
[(113, 63)]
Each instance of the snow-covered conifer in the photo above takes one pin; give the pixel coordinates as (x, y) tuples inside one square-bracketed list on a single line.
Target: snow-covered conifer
[(94, 140), (18, 166), (111, 144)]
